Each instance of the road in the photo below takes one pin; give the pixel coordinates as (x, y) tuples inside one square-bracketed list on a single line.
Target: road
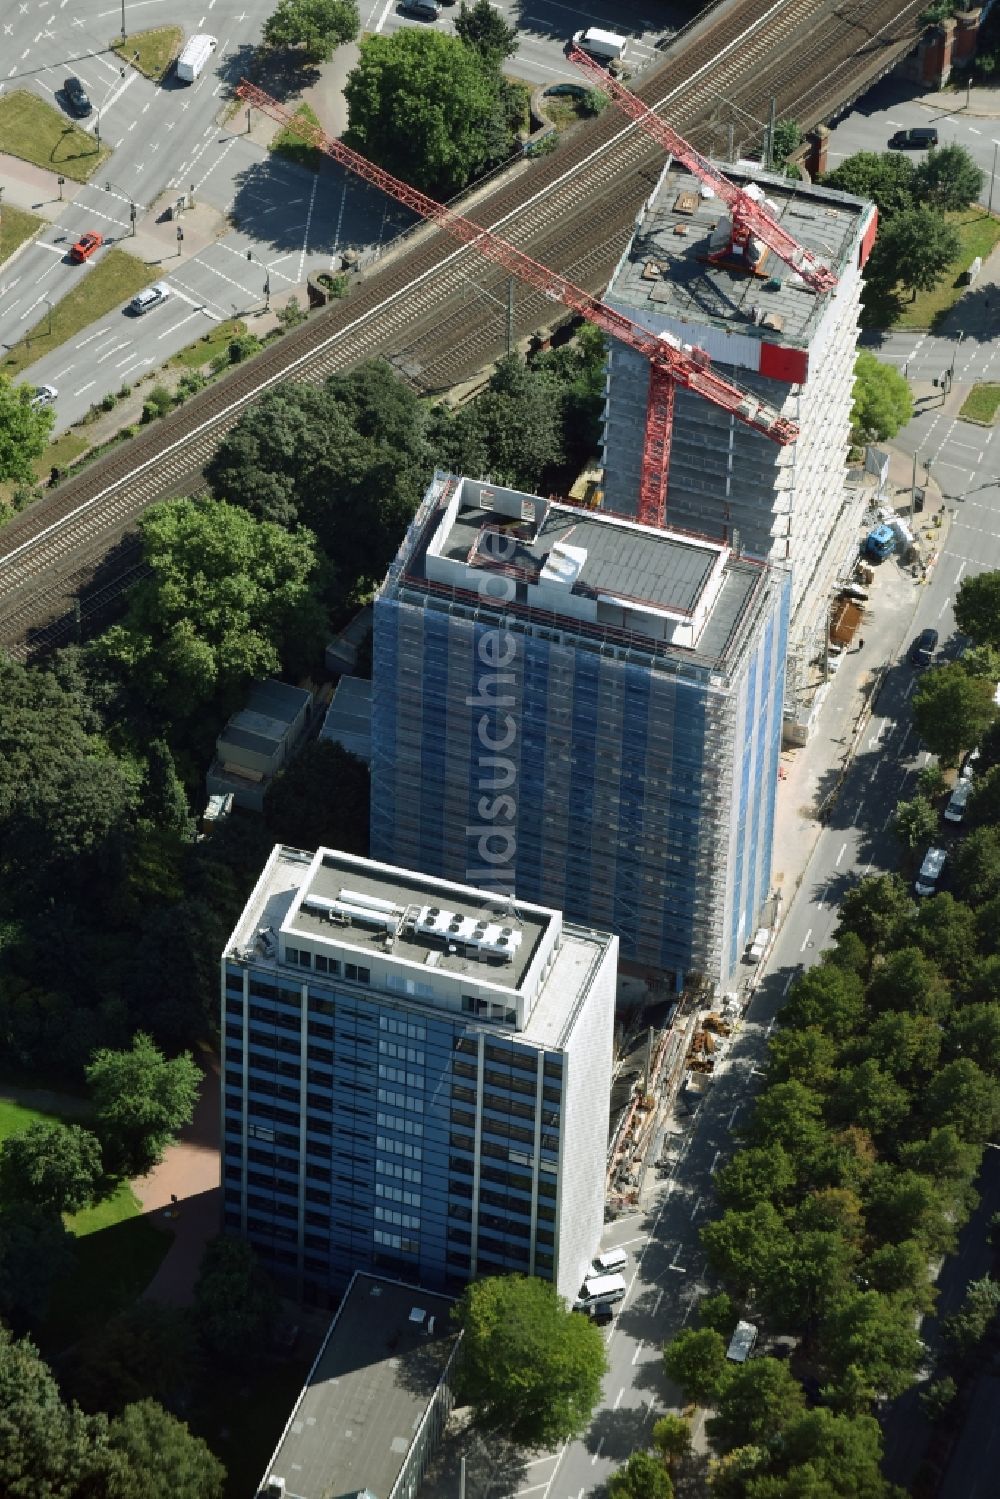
[(668, 1263)]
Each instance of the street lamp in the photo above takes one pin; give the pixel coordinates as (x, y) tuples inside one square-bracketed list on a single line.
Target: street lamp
[(267, 278), (123, 20), (48, 304), (993, 173)]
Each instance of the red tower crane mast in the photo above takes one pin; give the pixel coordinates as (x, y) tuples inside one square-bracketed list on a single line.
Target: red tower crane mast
[(747, 215), (672, 362)]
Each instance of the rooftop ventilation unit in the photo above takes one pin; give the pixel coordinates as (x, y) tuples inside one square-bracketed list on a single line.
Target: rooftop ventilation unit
[(485, 938), (382, 920), (370, 902)]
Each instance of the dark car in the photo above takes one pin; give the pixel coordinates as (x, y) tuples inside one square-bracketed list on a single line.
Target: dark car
[(603, 1313), (923, 648), (77, 98), (920, 138)]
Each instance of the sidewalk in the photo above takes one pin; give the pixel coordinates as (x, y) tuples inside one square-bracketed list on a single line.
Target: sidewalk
[(984, 103)]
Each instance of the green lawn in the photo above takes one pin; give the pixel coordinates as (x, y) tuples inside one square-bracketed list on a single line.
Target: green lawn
[(15, 227), (151, 52), (288, 143), (979, 234), (108, 280), (205, 349), (117, 1254), (982, 404), (37, 132)]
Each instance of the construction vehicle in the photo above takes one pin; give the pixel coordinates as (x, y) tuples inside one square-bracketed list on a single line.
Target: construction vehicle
[(751, 222), (880, 543), (671, 361)]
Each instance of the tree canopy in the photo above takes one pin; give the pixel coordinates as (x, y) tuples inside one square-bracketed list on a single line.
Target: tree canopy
[(484, 30), (643, 1477), (948, 178), (229, 599), (55, 1166), (24, 431), (141, 1102), (952, 709), (915, 249), (882, 400), (424, 106), (885, 177), (236, 1304), (530, 1368), (319, 27), (977, 607)]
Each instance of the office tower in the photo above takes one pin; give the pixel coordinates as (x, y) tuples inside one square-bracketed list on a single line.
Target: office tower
[(793, 347), (416, 1078), (585, 711)]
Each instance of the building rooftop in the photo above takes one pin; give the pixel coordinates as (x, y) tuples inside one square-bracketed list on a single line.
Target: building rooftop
[(348, 720), (665, 268), (600, 574), (385, 1354)]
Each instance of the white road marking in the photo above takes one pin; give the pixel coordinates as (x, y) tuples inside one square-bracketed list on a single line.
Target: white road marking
[(635, 1356), (732, 1116), (843, 851), (597, 1453), (656, 1303), (697, 1205), (84, 387), (619, 1397), (788, 983), (805, 940), (185, 319), (711, 1169)]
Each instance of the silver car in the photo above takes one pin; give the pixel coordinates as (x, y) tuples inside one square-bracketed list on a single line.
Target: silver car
[(44, 395), (148, 298)]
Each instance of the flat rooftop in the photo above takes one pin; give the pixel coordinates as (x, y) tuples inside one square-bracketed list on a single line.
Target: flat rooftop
[(666, 268), (336, 874), (367, 1392), (662, 568)]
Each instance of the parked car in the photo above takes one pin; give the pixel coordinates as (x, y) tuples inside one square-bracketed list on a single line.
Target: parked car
[(930, 871), (148, 298), (44, 395), (87, 245), (919, 138), (970, 765), (923, 648), (602, 1314), (425, 10), (77, 98), (955, 810)]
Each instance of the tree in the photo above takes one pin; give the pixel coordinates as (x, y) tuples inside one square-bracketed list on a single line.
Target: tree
[(951, 710), (977, 607), (905, 1205), (813, 1271), (229, 599), (829, 1454), (147, 1350), (35, 1250), (965, 1329), (869, 1096), (977, 865), (827, 998), (945, 930), (319, 27), (878, 909), (791, 1114), (141, 1102), (164, 1460), (696, 1361), (899, 1270), (320, 798), (744, 1248), (236, 1305), (809, 1056), (530, 1368), (515, 430), (24, 431), (914, 822), (931, 781), (962, 1094), (672, 1438), (885, 177), (915, 249), (46, 1448), (761, 1173), (983, 809), (760, 1399), (55, 1166), (873, 1336), (944, 1156), (484, 29), (905, 1046), (948, 178), (643, 1477), (423, 106), (164, 800), (882, 400), (787, 136), (974, 1032)]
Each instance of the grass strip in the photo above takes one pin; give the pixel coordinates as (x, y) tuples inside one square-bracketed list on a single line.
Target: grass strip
[(290, 145), (151, 52), (112, 278), (981, 404), (36, 132), (979, 233), (16, 226), (209, 346)]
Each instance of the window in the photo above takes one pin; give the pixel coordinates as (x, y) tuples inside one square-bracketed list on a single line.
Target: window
[(291, 955), (364, 975), (350, 970), (320, 962), (305, 959)]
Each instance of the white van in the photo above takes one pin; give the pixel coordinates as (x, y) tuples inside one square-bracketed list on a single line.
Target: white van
[(197, 50), (742, 1342), (930, 871), (955, 810), (601, 1288), (606, 46), (611, 1262)]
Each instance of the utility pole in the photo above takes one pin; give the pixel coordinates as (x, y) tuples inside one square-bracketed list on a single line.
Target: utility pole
[(993, 173), (731, 144), (772, 125), (123, 20), (510, 316)]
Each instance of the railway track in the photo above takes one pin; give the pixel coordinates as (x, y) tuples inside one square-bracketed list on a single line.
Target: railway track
[(438, 312)]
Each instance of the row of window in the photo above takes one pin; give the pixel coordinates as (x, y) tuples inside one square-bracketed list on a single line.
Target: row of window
[(333, 966)]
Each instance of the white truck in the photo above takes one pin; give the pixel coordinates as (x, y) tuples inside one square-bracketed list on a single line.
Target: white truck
[(606, 46), (197, 50)]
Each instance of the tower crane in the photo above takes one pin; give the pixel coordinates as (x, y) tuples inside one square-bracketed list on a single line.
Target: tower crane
[(671, 361), (748, 217)]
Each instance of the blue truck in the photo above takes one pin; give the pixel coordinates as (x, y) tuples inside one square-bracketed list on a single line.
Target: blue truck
[(880, 543)]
